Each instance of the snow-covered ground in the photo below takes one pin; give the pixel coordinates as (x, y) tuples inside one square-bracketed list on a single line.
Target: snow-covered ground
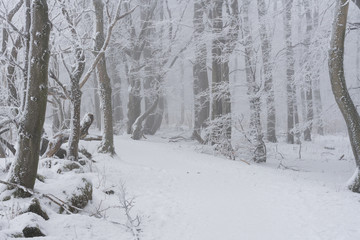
[(183, 194)]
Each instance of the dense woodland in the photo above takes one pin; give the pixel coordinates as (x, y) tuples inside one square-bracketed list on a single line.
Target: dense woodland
[(235, 75)]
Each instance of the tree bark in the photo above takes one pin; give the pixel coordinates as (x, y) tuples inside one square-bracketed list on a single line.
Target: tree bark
[(339, 88), (75, 93), (201, 81), (290, 86), (24, 168), (134, 103), (256, 135), (97, 110), (308, 75), (107, 143), (317, 95), (222, 47), (268, 72), (27, 48)]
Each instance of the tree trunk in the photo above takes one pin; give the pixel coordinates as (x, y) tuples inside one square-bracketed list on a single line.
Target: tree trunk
[(201, 82), (317, 94), (118, 109), (24, 168), (27, 48), (308, 75), (137, 128), (134, 104), (339, 88), (256, 135), (182, 95), (290, 86), (75, 93), (107, 143), (268, 73), (97, 110)]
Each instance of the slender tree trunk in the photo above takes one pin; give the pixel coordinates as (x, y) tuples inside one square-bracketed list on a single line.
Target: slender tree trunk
[(217, 111), (182, 94), (290, 86), (75, 93), (201, 82), (268, 74), (73, 146), (150, 95), (317, 94), (97, 103), (256, 135), (339, 88), (24, 168), (134, 104), (308, 76), (117, 107), (107, 143)]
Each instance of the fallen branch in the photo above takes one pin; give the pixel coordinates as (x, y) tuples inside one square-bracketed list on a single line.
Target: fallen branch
[(63, 137), (66, 206), (137, 126)]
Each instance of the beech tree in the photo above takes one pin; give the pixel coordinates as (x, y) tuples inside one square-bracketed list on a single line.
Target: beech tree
[(201, 81), (24, 168), (339, 87), (292, 110), (267, 71), (223, 44), (258, 150), (107, 144)]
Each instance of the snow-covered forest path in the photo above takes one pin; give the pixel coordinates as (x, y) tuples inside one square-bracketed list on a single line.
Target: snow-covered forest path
[(185, 195)]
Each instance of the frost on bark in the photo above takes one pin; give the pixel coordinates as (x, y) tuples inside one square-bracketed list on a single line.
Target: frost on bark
[(256, 135), (24, 168), (138, 42), (308, 75), (292, 112), (75, 91), (201, 82), (97, 110), (117, 101), (107, 143), (27, 47), (317, 95), (339, 88), (151, 81), (222, 46), (268, 72)]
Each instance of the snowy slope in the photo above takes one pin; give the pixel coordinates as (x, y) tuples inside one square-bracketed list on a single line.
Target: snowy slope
[(181, 194)]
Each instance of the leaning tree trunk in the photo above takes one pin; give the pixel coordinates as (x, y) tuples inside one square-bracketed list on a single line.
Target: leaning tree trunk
[(201, 82), (24, 168), (268, 72), (339, 88), (107, 143)]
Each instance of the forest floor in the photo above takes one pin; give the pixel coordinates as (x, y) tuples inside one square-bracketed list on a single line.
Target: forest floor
[(182, 193)]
